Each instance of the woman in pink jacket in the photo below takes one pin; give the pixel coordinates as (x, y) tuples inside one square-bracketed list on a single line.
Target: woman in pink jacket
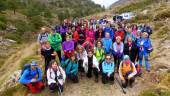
[(90, 33)]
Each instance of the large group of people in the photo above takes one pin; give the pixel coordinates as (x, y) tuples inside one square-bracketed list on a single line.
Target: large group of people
[(99, 48)]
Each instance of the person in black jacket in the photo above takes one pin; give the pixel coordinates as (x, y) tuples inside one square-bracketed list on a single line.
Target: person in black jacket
[(130, 48)]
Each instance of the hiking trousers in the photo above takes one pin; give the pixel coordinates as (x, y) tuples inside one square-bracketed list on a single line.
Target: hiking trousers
[(106, 79), (35, 87), (146, 59)]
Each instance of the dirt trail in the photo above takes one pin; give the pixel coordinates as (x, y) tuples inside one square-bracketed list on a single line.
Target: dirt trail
[(12, 63)]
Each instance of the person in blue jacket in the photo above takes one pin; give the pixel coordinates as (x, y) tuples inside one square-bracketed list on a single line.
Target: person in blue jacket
[(108, 70), (107, 43), (32, 78), (71, 68), (144, 46), (109, 29)]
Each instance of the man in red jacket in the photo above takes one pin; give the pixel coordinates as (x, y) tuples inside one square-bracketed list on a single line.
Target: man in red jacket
[(120, 33)]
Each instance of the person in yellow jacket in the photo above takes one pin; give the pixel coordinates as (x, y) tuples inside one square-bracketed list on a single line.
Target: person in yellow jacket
[(99, 53), (127, 71)]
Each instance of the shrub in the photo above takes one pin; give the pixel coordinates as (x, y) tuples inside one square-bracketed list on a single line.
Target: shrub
[(14, 36), (28, 60), (37, 22), (3, 22)]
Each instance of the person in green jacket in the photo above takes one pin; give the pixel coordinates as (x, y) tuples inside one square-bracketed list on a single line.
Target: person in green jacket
[(55, 40), (99, 53)]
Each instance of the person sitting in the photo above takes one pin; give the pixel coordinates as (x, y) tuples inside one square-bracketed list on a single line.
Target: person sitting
[(71, 68), (55, 77), (108, 70), (90, 65), (68, 47), (107, 43), (127, 71), (31, 77)]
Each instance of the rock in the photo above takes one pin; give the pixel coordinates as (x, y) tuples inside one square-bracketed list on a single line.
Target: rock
[(12, 80), (11, 28)]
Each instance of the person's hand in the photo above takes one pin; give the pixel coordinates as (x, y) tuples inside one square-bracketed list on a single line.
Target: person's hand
[(123, 81), (108, 74), (33, 80), (94, 66)]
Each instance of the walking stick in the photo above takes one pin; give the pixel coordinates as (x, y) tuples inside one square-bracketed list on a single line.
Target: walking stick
[(120, 85)]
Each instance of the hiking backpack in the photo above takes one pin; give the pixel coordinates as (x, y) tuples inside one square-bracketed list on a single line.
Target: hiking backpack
[(27, 66)]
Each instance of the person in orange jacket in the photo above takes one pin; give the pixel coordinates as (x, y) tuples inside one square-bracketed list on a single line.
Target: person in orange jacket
[(127, 71)]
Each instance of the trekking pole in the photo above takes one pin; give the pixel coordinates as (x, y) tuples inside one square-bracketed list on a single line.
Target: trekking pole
[(120, 85)]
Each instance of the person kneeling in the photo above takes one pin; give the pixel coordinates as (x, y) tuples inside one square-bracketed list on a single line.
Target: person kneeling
[(108, 70), (91, 64), (55, 77), (127, 71), (31, 77), (71, 68)]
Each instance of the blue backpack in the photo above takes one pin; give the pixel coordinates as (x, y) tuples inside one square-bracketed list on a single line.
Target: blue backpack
[(27, 66)]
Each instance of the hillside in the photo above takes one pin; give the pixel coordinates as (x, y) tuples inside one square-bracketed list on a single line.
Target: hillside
[(20, 20)]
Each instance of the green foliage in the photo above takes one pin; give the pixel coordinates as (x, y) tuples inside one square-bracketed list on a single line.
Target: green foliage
[(14, 36), (12, 5), (37, 22), (163, 15), (3, 22), (28, 60), (135, 6), (3, 5)]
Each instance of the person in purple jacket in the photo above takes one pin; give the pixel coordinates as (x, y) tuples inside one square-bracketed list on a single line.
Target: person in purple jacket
[(63, 30), (68, 47)]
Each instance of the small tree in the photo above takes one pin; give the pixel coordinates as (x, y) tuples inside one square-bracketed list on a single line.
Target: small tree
[(2, 5), (13, 5)]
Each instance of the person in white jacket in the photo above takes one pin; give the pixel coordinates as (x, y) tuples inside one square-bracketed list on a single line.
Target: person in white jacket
[(55, 76), (81, 55), (90, 65)]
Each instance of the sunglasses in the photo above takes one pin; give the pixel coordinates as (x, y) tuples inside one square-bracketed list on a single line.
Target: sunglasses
[(108, 58)]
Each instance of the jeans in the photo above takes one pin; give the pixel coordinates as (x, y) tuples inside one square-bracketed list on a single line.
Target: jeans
[(146, 57)]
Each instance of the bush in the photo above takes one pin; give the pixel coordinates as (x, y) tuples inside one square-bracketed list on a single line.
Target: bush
[(36, 22), (28, 60), (14, 36), (3, 22)]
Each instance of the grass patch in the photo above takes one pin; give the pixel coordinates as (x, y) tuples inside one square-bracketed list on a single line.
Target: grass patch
[(135, 6), (29, 59), (163, 15), (163, 32), (158, 25), (161, 89), (12, 90)]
